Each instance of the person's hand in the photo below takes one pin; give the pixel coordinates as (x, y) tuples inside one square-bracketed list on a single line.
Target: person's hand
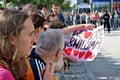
[(49, 71), (89, 26)]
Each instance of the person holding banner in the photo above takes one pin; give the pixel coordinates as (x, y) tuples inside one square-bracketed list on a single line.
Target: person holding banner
[(39, 21)]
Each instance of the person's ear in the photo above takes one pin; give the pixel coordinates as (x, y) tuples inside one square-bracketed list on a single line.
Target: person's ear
[(12, 39), (58, 53)]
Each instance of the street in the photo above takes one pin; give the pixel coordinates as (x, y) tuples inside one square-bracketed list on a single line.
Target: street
[(107, 64)]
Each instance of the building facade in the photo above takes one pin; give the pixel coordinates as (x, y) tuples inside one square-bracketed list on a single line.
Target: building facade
[(98, 5)]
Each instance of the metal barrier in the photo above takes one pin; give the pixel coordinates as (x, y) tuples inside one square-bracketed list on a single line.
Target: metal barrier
[(77, 71)]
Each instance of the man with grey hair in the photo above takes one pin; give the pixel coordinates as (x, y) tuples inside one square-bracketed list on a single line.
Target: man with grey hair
[(48, 49)]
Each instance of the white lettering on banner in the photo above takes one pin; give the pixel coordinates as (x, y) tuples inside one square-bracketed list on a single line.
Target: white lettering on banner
[(84, 45)]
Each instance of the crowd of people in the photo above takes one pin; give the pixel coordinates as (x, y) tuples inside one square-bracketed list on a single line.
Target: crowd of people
[(110, 20), (32, 42)]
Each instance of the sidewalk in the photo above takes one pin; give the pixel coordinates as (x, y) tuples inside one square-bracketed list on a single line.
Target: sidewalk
[(107, 62), (106, 66)]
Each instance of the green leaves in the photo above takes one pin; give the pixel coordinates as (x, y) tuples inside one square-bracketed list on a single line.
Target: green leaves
[(65, 4)]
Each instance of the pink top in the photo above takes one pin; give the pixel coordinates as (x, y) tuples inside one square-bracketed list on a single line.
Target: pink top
[(5, 74)]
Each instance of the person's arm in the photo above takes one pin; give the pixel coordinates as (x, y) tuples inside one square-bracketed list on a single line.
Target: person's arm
[(70, 29), (69, 59)]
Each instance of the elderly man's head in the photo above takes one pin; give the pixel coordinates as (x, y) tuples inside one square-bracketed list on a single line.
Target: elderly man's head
[(50, 45)]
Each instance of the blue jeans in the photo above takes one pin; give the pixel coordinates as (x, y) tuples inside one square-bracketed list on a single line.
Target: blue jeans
[(115, 24)]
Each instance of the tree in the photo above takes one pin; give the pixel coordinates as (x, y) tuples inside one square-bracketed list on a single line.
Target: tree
[(65, 4), (74, 7)]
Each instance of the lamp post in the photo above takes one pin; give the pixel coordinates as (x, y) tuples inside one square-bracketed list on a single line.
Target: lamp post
[(111, 5), (4, 3)]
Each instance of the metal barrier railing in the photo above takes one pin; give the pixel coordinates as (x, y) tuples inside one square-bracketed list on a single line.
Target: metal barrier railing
[(77, 71)]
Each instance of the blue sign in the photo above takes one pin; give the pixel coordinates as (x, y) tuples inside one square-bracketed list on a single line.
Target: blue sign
[(116, 0), (100, 0)]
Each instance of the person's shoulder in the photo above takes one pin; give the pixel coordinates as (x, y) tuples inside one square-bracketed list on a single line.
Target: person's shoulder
[(60, 14), (4, 71), (5, 74), (34, 55)]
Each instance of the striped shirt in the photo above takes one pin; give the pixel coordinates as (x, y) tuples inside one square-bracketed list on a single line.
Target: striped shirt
[(37, 65)]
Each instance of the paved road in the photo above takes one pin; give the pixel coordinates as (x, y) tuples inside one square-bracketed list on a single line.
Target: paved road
[(106, 66)]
